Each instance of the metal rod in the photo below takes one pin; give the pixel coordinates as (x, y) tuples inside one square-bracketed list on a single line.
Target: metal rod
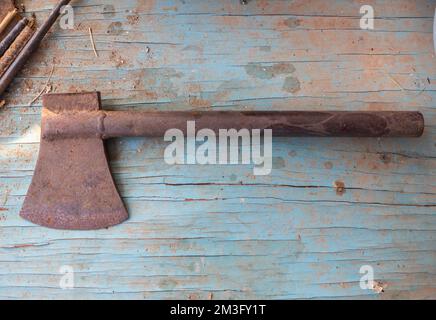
[(111, 124), (12, 35), (16, 47), (7, 20), (31, 46)]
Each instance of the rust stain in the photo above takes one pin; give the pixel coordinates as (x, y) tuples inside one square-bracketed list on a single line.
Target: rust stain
[(222, 96), (150, 95), (379, 287), (193, 296), (28, 245), (198, 102), (22, 246), (28, 85), (346, 285), (291, 84), (292, 22), (168, 284), (328, 165), (278, 163), (108, 11), (146, 6), (117, 59), (171, 8), (340, 187), (133, 19), (380, 106), (115, 28), (260, 71), (193, 88), (262, 4), (386, 158), (230, 21)]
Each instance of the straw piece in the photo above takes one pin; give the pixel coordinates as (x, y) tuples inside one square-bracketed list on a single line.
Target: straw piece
[(15, 48), (45, 88), (5, 22), (91, 37)]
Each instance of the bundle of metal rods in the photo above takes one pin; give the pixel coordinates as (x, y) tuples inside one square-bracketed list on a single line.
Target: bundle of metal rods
[(14, 40), (18, 44)]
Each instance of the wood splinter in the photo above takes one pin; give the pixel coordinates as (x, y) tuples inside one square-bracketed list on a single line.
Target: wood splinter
[(91, 37), (45, 89)]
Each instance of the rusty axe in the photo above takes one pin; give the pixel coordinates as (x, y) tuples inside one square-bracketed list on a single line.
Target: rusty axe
[(72, 187)]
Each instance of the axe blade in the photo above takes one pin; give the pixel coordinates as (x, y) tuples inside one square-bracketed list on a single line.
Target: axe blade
[(72, 187)]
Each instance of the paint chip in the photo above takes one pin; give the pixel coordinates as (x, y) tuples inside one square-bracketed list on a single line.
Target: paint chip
[(291, 84), (379, 287), (386, 158), (292, 22), (260, 71), (340, 187), (328, 165)]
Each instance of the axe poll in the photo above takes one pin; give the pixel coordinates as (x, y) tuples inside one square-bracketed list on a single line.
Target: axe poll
[(72, 187)]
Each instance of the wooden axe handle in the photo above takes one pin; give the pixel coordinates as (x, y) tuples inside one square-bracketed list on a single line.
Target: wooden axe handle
[(111, 124)]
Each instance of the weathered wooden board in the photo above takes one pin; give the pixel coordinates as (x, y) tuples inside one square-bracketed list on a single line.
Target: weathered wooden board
[(218, 231)]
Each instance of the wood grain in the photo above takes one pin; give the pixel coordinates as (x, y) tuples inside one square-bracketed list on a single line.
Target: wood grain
[(218, 231)]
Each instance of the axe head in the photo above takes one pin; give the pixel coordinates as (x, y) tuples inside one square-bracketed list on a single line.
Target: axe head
[(72, 187)]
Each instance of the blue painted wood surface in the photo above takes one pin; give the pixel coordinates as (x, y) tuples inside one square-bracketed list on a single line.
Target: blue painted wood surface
[(209, 232)]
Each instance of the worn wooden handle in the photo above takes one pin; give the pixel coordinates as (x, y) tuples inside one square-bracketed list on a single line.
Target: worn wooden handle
[(110, 124)]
